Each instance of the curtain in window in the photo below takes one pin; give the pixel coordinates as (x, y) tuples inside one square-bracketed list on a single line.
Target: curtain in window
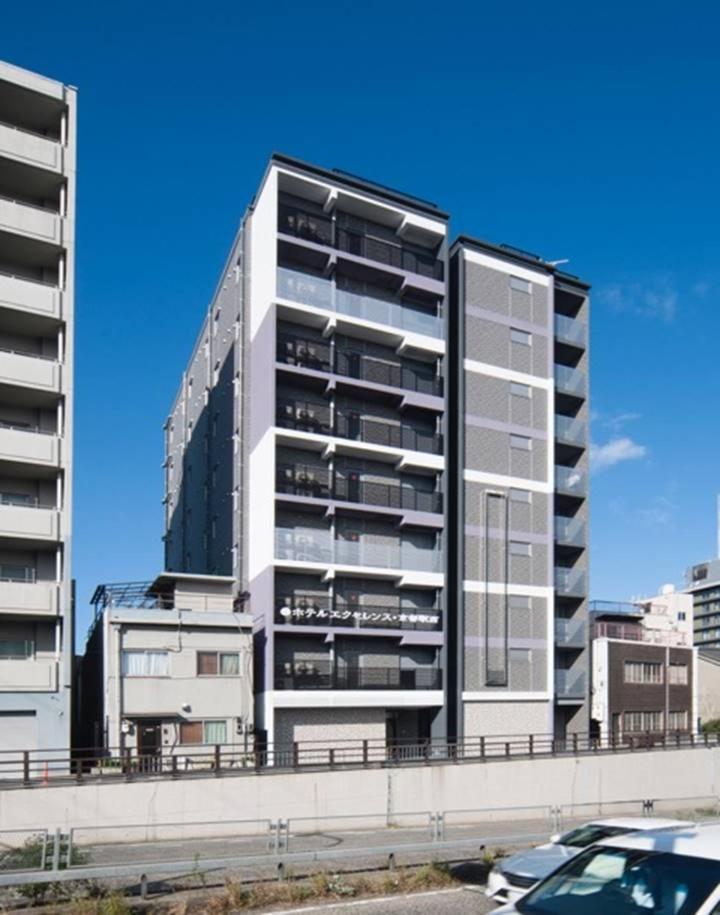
[(229, 664), (145, 663), (215, 732)]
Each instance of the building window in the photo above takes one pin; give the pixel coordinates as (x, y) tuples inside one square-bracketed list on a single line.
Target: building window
[(642, 721), (521, 442), (218, 664), (520, 285), (520, 548), (643, 672), (520, 390), (200, 732), (677, 721), (15, 649), (520, 336), (521, 495), (678, 674), (681, 615), (145, 664)]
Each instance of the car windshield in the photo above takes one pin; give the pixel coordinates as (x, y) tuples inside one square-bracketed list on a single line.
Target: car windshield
[(623, 881), (590, 835)]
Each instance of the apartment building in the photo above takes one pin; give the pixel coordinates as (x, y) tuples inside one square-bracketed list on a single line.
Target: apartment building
[(644, 666), (391, 465), (37, 240), (167, 669), (702, 582), (519, 469)]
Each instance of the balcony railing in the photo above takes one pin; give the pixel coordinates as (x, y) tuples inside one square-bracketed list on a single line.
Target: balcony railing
[(303, 480), (323, 675), (636, 632), (305, 351), (570, 430), (308, 545), (318, 292), (305, 416), (570, 532), (17, 573), (570, 582), (314, 610), (615, 607), (571, 481), (307, 224), (570, 633), (570, 381), (382, 432), (388, 495), (570, 684), (571, 331)]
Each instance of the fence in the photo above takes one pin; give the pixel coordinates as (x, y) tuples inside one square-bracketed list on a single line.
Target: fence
[(25, 768)]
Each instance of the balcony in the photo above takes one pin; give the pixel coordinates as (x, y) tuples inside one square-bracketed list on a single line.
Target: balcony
[(390, 253), (570, 633), (636, 632), (348, 424), (27, 521), (30, 221), (305, 416), (30, 147), (26, 596), (32, 675), (571, 481), (570, 684), (307, 480), (317, 292), (571, 331), (29, 370), (31, 296), (388, 495), (570, 532), (571, 382), (308, 352), (317, 546), (570, 431), (28, 445), (570, 583), (318, 610), (324, 675)]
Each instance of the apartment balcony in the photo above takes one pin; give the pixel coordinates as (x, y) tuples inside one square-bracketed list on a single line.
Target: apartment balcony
[(571, 331), (570, 382), (386, 495), (27, 596), (31, 296), (28, 521), (570, 583), (570, 633), (316, 546), (570, 532), (570, 685), (308, 352), (319, 610), (571, 481), (324, 675), (28, 675), (307, 480), (349, 424), (29, 445), (30, 221), (571, 431), (318, 292), (305, 416), (28, 370), (29, 147)]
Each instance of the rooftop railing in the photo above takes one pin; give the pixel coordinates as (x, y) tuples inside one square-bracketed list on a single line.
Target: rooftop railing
[(629, 632)]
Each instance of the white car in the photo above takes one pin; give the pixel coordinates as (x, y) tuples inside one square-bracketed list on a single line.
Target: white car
[(514, 876), (660, 871)]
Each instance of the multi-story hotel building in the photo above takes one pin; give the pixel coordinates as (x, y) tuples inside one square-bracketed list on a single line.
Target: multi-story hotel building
[(37, 219), (349, 424)]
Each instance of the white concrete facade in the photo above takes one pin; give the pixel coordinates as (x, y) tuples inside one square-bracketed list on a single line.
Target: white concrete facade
[(37, 280)]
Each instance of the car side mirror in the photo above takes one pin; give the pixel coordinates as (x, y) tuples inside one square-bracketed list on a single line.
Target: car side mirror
[(555, 838)]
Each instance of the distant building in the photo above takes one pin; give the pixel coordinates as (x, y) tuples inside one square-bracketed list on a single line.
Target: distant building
[(37, 278), (702, 581), (708, 678), (644, 666), (168, 667)]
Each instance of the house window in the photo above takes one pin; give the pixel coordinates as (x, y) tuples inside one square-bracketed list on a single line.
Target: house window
[(677, 721), (218, 664), (15, 649), (520, 548), (520, 285), (642, 721), (203, 732), (678, 674), (520, 336), (521, 442), (520, 390), (145, 664), (643, 672), (521, 495)]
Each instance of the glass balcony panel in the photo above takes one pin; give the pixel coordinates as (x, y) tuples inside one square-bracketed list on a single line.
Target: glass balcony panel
[(570, 684), (570, 381), (570, 582), (571, 481), (570, 531), (310, 545), (572, 633), (571, 430), (571, 330)]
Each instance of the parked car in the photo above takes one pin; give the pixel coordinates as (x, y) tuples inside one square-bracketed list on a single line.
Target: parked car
[(514, 876), (661, 871)]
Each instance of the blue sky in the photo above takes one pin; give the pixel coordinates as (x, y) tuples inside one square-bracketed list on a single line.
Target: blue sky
[(578, 132)]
